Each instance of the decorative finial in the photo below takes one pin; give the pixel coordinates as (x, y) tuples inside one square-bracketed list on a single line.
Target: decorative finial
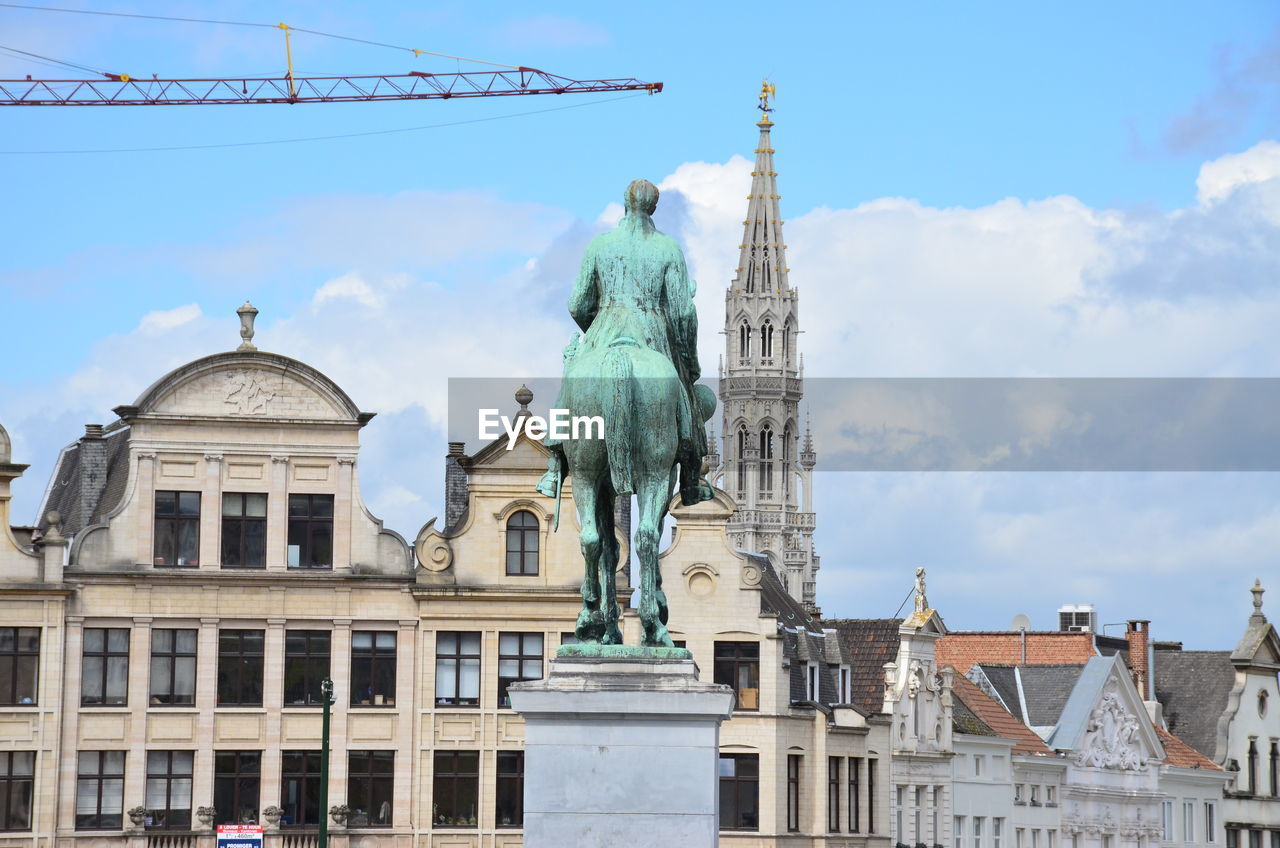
[(247, 313), (524, 397), (922, 602), (767, 90), (1257, 591)]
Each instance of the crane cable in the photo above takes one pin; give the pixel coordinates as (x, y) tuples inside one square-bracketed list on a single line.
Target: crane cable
[(58, 61), (416, 52)]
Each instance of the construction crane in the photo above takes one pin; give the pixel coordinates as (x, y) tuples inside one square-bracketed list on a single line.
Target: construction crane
[(124, 90), (120, 89)]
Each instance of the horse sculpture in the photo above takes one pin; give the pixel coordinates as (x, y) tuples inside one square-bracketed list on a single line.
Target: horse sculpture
[(634, 367)]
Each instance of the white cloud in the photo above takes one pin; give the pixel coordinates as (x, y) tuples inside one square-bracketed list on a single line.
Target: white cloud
[(1222, 176), (167, 319)]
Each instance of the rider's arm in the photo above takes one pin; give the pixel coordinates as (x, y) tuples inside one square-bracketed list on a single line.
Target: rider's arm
[(684, 315), (584, 302)]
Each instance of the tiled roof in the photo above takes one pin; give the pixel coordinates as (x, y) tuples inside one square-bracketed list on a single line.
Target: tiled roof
[(64, 492), (1044, 689), (1193, 687), (963, 720), (776, 600), (867, 644), (994, 717), (1180, 754)]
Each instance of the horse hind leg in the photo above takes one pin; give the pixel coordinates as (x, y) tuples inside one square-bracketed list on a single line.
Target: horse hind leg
[(654, 494), (607, 570), (590, 626)]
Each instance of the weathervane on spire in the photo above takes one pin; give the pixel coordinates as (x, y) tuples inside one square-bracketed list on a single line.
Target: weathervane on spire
[(767, 90)]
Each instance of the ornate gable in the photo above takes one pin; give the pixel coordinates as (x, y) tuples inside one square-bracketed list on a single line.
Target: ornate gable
[(1104, 723)]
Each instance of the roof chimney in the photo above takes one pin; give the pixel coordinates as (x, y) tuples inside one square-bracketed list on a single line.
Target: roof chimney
[(455, 483), (93, 472), (1137, 634)]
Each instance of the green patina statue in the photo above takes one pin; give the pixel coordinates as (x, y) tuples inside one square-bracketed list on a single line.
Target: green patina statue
[(635, 366)]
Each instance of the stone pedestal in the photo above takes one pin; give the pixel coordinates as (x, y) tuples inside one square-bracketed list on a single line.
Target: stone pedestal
[(621, 751)]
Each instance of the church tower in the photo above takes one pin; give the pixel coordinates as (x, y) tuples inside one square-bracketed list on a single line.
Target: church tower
[(767, 463)]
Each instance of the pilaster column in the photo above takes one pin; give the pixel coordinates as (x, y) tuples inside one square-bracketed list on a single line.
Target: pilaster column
[(145, 497), (407, 721), (272, 700), (211, 512), (206, 702), (340, 673), (68, 751), (278, 514), (343, 514), (135, 771)]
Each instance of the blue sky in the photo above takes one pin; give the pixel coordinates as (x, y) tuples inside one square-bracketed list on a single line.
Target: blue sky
[(981, 189)]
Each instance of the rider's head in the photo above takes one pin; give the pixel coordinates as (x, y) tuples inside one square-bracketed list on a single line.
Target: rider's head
[(641, 196)]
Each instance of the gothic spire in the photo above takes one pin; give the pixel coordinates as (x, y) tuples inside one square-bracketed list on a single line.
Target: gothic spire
[(762, 262)]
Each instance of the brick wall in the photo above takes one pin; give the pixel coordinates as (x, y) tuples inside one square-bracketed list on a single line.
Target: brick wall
[(964, 650)]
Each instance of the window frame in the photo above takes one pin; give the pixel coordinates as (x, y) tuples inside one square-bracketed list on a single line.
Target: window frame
[(834, 787), (239, 664), (726, 670), (453, 780), (307, 525), (12, 784), (171, 659), (239, 777), (378, 788), (311, 673), (106, 656), (521, 659), (794, 765), (855, 805), (529, 530), (509, 786), (737, 783), (18, 660), (100, 820), (169, 777), (301, 779), (378, 659), (458, 658), (235, 527), (170, 526)]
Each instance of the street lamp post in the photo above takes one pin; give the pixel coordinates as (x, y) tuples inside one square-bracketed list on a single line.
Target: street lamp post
[(326, 699)]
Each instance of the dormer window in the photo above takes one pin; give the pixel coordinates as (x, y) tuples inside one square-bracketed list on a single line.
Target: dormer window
[(177, 529), (522, 544)]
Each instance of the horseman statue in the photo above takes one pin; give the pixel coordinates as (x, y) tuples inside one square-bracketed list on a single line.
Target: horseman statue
[(636, 367)]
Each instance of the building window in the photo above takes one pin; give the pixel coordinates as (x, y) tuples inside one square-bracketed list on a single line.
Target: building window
[(739, 791), (997, 832), (793, 792), (373, 668), (1210, 822), (457, 669), (855, 807), (510, 789), (300, 787), (917, 812), (310, 531), (1035, 794), (977, 833), (1050, 837), (1035, 838), (744, 340), (16, 771), (979, 764), (168, 800), (812, 690), (737, 665), (519, 658), (1253, 766), (19, 661), (1166, 821), (244, 530), (899, 803), (370, 780), (306, 663), (766, 461), (766, 340), (1050, 795), (934, 813), (522, 544), (1188, 821), (872, 765), (833, 794), (100, 790), (1275, 770), (237, 780), (1233, 838), (957, 831), (240, 669), (846, 685), (456, 788), (177, 518), (105, 674), (1018, 794), (173, 667)]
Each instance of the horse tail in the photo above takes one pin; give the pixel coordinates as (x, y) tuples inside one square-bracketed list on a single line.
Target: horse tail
[(620, 434)]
